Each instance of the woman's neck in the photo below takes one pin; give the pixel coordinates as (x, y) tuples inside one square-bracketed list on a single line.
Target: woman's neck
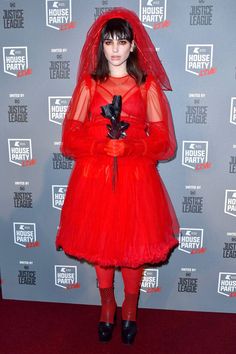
[(118, 71)]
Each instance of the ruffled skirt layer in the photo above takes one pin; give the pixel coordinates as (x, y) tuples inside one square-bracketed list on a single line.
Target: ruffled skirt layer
[(131, 226)]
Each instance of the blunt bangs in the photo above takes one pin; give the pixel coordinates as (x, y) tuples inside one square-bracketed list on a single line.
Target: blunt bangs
[(119, 28)]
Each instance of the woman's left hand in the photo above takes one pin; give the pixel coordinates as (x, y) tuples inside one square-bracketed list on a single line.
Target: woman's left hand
[(115, 147)]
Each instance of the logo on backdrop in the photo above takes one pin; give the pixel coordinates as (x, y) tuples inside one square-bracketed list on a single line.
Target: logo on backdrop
[(191, 241), (152, 13), (233, 110), (201, 15), (17, 112), (196, 113), (57, 107), (101, 10), (199, 59), (26, 276), (150, 281), (59, 14), (58, 196), (188, 283), (229, 249), (232, 164), (192, 204), (15, 61), (227, 284), (59, 68), (25, 234), (20, 152), (195, 154), (21, 198), (66, 277), (13, 18), (230, 202), (60, 162)]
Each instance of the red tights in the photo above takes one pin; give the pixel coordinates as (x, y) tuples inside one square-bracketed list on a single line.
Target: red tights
[(132, 279)]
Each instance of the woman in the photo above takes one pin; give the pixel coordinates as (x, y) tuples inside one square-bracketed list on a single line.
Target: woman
[(133, 224)]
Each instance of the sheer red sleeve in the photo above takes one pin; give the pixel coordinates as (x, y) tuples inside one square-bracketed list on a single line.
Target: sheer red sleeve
[(75, 142), (160, 143)]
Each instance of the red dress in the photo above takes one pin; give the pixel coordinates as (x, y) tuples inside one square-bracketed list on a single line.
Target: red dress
[(136, 223)]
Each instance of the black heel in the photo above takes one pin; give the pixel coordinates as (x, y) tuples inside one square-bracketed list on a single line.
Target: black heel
[(128, 331), (105, 330)]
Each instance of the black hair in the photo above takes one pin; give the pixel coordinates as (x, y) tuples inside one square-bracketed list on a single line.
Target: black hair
[(120, 28)]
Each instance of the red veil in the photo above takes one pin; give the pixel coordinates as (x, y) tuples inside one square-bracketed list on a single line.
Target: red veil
[(147, 56)]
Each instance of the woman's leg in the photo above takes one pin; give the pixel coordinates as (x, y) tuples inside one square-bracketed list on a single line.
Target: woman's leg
[(105, 278), (132, 280)]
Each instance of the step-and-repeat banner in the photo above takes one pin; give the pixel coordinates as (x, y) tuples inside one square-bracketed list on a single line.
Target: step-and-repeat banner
[(41, 42)]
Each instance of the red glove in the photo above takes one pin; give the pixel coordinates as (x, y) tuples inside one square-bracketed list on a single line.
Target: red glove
[(155, 146), (115, 147), (125, 147), (158, 144), (76, 143)]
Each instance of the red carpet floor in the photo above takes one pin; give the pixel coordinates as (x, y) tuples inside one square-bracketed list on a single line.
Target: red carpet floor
[(53, 328)]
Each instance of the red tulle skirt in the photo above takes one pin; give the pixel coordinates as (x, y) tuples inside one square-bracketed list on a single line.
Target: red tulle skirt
[(131, 226)]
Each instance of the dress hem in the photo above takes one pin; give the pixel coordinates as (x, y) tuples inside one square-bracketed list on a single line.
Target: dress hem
[(159, 257)]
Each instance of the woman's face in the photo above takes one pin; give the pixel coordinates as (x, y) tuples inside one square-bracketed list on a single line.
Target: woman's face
[(117, 51)]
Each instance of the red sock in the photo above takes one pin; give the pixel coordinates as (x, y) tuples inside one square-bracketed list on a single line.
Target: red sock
[(105, 282), (108, 305), (132, 280)]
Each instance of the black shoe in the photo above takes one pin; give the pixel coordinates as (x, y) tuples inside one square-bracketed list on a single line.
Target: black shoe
[(128, 331), (105, 330)]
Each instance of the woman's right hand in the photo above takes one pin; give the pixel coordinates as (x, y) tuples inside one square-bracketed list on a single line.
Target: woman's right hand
[(115, 147)]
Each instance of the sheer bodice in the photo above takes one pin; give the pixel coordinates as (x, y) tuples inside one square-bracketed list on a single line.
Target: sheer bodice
[(144, 106), (133, 106), (141, 101)]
